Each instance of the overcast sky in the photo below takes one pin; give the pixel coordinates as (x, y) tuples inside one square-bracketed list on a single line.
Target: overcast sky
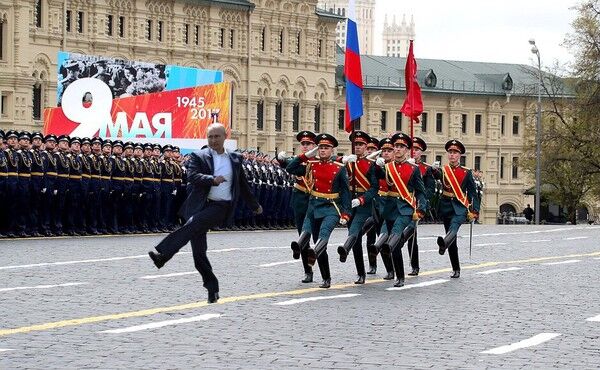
[(483, 30)]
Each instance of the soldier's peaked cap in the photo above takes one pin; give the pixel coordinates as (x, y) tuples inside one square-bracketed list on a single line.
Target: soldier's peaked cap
[(12, 133), (373, 143), (403, 139), (96, 140), (455, 145), (419, 143), (75, 140), (50, 137), (64, 138), (37, 135), (386, 143), (117, 143), (360, 137), (106, 142), (306, 136), (326, 139), (24, 135)]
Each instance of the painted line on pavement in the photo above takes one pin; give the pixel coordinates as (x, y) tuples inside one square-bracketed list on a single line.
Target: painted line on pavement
[(311, 299), (168, 275), (162, 324), (279, 263), (533, 341), (576, 238), (255, 296), (493, 271), (420, 285), (597, 258), (561, 262), (40, 287), (489, 244), (543, 231), (595, 318), (535, 241), (6, 349)]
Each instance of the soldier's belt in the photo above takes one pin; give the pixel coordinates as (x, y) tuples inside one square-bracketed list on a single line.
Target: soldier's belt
[(382, 193), (150, 179), (51, 174), (105, 177), (393, 194), (75, 177), (166, 180), (37, 174), (64, 176), (359, 189), (118, 178), (12, 174), (86, 176), (317, 194), (137, 178), (95, 176), (24, 175), (301, 188), (3, 174), (129, 179), (448, 194)]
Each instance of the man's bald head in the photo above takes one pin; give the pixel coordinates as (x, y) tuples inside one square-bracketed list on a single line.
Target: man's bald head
[(218, 127), (216, 137)]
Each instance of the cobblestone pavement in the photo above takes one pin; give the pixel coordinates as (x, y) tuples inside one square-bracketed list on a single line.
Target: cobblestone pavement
[(527, 298)]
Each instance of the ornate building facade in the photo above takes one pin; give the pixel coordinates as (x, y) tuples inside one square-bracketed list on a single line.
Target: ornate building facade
[(365, 21), (396, 36)]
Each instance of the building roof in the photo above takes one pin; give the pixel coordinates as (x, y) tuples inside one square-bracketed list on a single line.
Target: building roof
[(234, 3), (324, 13), (438, 75)]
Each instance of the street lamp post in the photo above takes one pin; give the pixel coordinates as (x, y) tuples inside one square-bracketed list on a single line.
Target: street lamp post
[(538, 136)]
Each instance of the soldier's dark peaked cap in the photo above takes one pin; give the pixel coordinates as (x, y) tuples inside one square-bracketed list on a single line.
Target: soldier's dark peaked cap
[(176, 149), (326, 139), (64, 138), (128, 145), (117, 143), (419, 143), (2, 134), (12, 133), (138, 146), (37, 135), (96, 140), (147, 146), (360, 137), (86, 140), (106, 142), (403, 138), (455, 145), (157, 146), (50, 137), (306, 136), (167, 147), (24, 135), (386, 143), (374, 142), (74, 140)]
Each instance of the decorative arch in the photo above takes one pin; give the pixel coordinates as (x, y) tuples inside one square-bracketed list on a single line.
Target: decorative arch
[(3, 15), (304, 9), (508, 208), (41, 67), (231, 71)]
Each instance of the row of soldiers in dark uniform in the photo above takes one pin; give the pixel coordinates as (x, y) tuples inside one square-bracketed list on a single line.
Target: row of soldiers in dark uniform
[(381, 192), (80, 186)]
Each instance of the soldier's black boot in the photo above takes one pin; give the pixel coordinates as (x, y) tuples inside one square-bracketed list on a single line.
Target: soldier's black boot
[(346, 248), (445, 242), (313, 254), (380, 242), (302, 243), (372, 255), (394, 241), (158, 258), (308, 277)]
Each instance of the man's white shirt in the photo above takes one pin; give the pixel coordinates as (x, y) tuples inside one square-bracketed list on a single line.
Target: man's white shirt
[(222, 167)]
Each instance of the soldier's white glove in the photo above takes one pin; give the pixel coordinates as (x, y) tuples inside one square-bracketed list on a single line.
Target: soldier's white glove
[(436, 165), (343, 221), (355, 203), (44, 191), (380, 162), (373, 155), (281, 155), (312, 153), (350, 158), (55, 192), (174, 192), (411, 160)]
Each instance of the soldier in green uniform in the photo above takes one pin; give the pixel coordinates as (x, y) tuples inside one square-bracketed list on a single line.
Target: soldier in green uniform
[(300, 196), (329, 201), (459, 202)]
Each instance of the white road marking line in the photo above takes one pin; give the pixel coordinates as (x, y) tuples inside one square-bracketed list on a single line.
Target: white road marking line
[(243, 249), (597, 258), (161, 324), (168, 275), (279, 263), (576, 238), (40, 287), (488, 244), (595, 318), (561, 262), (6, 349), (542, 231), (487, 272), (419, 285), (535, 241), (533, 341), (310, 299), (429, 251)]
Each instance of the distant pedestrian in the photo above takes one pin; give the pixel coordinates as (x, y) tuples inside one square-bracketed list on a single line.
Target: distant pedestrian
[(528, 213)]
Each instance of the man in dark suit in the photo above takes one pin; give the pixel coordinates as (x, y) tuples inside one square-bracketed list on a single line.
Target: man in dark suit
[(216, 181)]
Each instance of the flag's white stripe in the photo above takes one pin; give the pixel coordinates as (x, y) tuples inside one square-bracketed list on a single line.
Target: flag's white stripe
[(169, 275), (161, 324), (40, 287), (419, 285), (487, 272), (310, 299), (561, 262), (533, 341)]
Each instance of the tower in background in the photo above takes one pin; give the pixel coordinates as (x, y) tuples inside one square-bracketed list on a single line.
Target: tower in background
[(396, 36), (365, 20)]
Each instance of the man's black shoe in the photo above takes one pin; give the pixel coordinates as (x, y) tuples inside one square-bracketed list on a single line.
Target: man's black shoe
[(455, 274), (326, 284), (158, 259), (389, 276), (372, 270), (360, 280), (213, 297), (442, 245), (308, 278), (399, 283), (414, 272)]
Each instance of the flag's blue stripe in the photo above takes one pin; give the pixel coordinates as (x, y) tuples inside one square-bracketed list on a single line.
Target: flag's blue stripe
[(352, 37), (354, 100)]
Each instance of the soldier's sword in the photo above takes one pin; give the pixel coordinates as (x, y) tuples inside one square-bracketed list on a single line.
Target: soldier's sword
[(471, 238)]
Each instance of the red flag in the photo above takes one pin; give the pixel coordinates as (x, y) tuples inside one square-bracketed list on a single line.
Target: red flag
[(413, 104)]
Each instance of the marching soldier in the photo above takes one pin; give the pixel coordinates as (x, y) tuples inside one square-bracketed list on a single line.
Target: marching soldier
[(12, 180), (75, 225), (180, 184), (300, 196), (62, 182), (117, 187), (167, 188), (329, 201), (407, 204), (24, 186), (3, 180), (459, 202), (106, 169), (364, 186), (147, 200), (38, 183), (387, 155), (429, 174), (95, 187), (126, 224), (49, 196), (86, 180), (156, 151)]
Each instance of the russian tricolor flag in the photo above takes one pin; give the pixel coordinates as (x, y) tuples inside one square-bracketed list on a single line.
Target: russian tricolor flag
[(353, 73)]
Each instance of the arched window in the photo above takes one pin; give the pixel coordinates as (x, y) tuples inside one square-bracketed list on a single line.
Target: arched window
[(278, 115), (296, 117), (260, 118), (37, 101), (317, 118)]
